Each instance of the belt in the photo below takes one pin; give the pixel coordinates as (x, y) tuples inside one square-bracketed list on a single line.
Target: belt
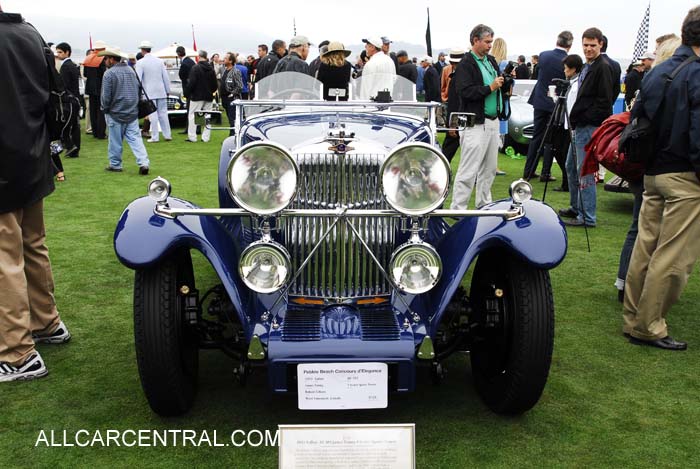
[(493, 118)]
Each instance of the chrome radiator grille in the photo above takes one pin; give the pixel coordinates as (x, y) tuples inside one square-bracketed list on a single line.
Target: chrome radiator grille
[(341, 268)]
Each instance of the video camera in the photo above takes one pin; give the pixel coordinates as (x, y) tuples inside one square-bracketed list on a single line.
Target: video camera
[(561, 86)]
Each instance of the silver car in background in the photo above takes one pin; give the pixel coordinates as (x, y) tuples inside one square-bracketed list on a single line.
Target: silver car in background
[(521, 122)]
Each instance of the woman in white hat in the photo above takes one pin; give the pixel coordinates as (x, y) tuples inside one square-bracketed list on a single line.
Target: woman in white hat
[(335, 72)]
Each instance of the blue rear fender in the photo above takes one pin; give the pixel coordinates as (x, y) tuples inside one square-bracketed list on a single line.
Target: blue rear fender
[(539, 239), (142, 239)]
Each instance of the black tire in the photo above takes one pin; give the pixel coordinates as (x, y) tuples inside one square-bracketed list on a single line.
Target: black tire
[(511, 359), (166, 347)]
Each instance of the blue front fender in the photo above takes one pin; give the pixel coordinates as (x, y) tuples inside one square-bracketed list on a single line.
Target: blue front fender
[(143, 238), (539, 238)]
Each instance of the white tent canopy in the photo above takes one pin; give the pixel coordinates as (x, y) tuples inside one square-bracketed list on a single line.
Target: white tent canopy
[(169, 52)]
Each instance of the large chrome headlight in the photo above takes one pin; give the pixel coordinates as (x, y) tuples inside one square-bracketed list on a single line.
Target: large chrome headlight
[(415, 178), (415, 267), (264, 266), (521, 191), (262, 178)]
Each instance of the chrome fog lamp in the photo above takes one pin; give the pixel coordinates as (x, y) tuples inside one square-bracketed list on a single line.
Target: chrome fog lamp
[(159, 189), (264, 266), (521, 191), (262, 178), (415, 267), (415, 178)]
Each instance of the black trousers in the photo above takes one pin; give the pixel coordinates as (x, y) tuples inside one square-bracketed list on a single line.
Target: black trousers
[(230, 113), (97, 117), (450, 146), (540, 126), (74, 141)]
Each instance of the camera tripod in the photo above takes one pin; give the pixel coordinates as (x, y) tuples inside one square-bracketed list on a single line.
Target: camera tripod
[(560, 118)]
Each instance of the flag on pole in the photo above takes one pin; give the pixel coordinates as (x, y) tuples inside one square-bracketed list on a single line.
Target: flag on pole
[(642, 44), (90, 34), (428, 40), (194, 45)]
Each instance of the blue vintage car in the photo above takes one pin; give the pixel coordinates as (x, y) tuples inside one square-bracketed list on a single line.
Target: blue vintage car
[(340, 269)]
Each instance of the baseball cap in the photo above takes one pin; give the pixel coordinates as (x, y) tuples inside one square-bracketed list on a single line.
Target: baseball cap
[(374, 40), (299, 41)]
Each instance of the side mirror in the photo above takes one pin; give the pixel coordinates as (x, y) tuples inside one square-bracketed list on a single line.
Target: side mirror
[(459, 121), (204, 118), (462, 120)]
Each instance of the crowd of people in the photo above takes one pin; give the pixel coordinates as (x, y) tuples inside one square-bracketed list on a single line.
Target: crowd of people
[(658, 254)]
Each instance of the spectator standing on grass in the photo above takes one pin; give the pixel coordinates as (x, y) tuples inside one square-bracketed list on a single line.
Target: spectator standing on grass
[(231, 88), (70, 76), (201, 88), (549, 68), (267, 64), (28, 313), (156, 82), (431, 80), (521, 71), (295, 61), (94, 69), (406, 67), (451, 142), (335, 71), (667, 244), (379, 72), (477, 84), (120, 98), (243, 69), (535, 67), (591, 105), (186, 64)]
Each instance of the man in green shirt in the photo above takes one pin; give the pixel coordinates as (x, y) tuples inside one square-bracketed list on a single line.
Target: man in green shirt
[(478, 85)]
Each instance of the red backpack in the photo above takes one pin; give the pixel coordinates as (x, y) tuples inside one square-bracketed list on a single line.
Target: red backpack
[(603, 149)]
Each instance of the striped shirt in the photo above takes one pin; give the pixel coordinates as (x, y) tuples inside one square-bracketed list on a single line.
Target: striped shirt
[(120, 93)]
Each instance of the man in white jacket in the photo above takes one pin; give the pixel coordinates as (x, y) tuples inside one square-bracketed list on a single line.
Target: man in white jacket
[(380, 72), (156, 82)]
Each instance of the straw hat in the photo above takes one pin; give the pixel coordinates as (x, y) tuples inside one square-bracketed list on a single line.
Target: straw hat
[(113, 52), (335, 46), (99, 45)]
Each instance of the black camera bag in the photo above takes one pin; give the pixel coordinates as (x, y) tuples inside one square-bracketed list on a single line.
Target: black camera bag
[(638, 139)]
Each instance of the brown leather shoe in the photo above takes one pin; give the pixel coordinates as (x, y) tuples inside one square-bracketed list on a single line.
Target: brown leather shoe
[(667, 343)]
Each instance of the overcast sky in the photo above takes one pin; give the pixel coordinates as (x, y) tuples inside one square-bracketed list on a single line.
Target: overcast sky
[(528, 26)]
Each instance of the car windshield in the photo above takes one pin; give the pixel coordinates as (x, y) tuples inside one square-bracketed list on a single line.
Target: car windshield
[(524, 87), (294, 86)]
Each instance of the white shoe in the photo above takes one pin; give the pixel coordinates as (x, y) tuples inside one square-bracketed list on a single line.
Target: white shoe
[(59, 336), (150, 140), (32, 368)]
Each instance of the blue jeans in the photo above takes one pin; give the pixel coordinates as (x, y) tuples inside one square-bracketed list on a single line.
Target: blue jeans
[(119, 131), (585, 207)]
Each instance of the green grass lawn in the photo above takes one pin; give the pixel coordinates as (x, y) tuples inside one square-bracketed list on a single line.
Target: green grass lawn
[(606, 404)]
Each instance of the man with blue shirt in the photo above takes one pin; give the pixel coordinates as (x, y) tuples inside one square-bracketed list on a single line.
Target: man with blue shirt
[(550, 66), (478, 84)]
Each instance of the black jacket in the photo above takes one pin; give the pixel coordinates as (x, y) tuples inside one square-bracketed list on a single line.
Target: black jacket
[(292, 63), (70, 75), (266, 66), (202, 83), (184, 73), (26, 173), (431, 85), (522, 72), (595, 96), (409, 71), (93, 79), (616, 74), (334, 77), (314, 66), (633, 82), (678, 135), (470, 88)]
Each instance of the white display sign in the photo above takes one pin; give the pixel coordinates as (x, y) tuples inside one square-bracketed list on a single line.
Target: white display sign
[(347, 446), (329, 386)]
